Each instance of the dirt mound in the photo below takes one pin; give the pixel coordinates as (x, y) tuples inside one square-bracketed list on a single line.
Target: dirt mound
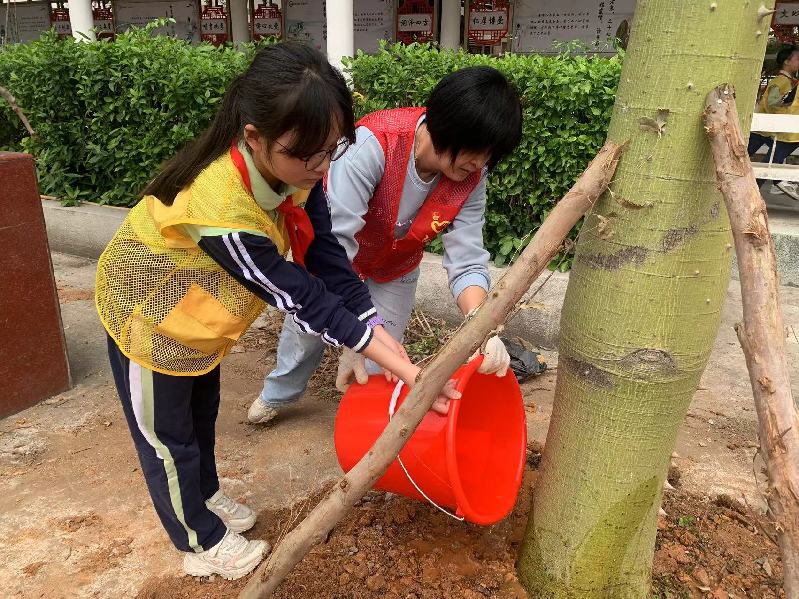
[(392, 547)]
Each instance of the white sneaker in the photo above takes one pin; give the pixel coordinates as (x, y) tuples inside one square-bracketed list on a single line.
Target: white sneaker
[(236, 516), (260, 413), (789, 188), (774, 190), (231, 558)]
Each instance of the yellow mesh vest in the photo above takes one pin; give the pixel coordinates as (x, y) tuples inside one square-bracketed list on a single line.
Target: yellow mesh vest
[(784, 85), (165, 302)]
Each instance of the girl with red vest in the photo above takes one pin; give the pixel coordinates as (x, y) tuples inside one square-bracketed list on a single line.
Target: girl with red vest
[(411, 175), (196, 261)]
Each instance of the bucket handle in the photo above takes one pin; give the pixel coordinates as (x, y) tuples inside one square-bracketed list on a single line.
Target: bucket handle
[(392, 406)]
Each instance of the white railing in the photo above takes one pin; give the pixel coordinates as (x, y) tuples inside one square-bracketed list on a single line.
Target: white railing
[(773, 124)]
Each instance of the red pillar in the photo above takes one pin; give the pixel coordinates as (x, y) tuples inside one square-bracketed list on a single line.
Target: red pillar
[(33, 356)]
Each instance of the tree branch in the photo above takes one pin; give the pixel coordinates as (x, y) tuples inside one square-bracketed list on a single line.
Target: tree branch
[(502, 298), (762, 334), (12, 102)]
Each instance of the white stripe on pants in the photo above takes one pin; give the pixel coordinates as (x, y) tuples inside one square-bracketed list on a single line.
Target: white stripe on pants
[(299, 354)]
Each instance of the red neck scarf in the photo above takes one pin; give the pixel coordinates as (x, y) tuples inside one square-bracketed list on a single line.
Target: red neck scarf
[(298, 224)]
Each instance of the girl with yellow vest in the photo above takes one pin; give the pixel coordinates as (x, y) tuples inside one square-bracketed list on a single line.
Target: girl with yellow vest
[(776, 100), (195, 262)]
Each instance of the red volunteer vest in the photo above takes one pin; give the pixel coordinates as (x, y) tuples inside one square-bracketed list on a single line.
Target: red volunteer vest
[(381, 257)]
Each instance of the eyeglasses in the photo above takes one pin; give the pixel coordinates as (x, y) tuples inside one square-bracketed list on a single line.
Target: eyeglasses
[(314, 161)]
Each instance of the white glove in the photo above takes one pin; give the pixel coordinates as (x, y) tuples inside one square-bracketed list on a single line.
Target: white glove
[(496, 358), (350, 365)]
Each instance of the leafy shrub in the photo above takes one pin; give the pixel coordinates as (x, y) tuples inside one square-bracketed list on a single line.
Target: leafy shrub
[(107, 114)]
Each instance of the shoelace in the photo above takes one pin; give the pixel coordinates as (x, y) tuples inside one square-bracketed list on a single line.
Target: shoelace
[(227, 504), (232, 544)]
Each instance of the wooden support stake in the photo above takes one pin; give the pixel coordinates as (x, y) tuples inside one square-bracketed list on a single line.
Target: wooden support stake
[(762, 334), (12, 102), (502, 298)]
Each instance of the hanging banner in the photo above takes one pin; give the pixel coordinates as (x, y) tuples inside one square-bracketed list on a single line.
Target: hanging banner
[(103, 18), (487, 22), (786, 13), (540, 25), (374, 21), (267, 21), (59, 18), (141, 12), (306, 22), (415, 21), (26, 21), (214, 26), (785, 22)]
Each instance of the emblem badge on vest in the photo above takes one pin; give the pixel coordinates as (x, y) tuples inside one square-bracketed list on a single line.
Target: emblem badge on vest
[(438, 225)]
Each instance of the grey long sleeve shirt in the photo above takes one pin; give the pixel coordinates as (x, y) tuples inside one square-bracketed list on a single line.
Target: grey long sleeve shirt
[(351, 184)]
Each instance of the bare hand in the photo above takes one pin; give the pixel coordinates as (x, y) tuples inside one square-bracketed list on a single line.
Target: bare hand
[(441, 404), (395, 346)]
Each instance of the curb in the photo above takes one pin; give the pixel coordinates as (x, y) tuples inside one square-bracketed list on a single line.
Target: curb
[(82, 230)]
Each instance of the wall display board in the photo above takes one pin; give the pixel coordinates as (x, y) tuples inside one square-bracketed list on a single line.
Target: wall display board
[(26, 21), (306, 22), (374, 21), (141, 12), (539, 25)]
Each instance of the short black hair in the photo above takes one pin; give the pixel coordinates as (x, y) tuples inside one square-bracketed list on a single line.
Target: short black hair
[(784, 54), (475, 109)]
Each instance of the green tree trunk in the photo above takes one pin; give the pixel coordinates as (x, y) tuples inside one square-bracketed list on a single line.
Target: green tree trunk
[(643, 304)]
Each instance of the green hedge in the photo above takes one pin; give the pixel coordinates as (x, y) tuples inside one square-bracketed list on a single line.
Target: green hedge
[(567, 102), (108, 113)]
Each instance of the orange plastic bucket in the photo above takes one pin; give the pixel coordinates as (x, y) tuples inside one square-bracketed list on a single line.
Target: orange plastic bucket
[(470, 460)]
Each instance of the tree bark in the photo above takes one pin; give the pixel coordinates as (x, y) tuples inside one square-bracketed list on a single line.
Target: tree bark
[(12, 102), (499, 303), (643, 305), (762, 333)]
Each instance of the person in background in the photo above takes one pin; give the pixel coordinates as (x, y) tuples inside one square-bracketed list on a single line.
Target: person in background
[(412, 174), (779, 98), (196, 261)]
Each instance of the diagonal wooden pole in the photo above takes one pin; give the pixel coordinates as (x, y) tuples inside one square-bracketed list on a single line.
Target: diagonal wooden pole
[(501, 300), (12, 102), (762, 334)]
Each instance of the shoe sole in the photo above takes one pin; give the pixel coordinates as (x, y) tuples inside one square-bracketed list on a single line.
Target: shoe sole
[(203, 569), (264, 420)]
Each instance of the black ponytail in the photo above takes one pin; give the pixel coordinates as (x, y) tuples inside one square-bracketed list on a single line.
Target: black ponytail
[(288, 86)]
